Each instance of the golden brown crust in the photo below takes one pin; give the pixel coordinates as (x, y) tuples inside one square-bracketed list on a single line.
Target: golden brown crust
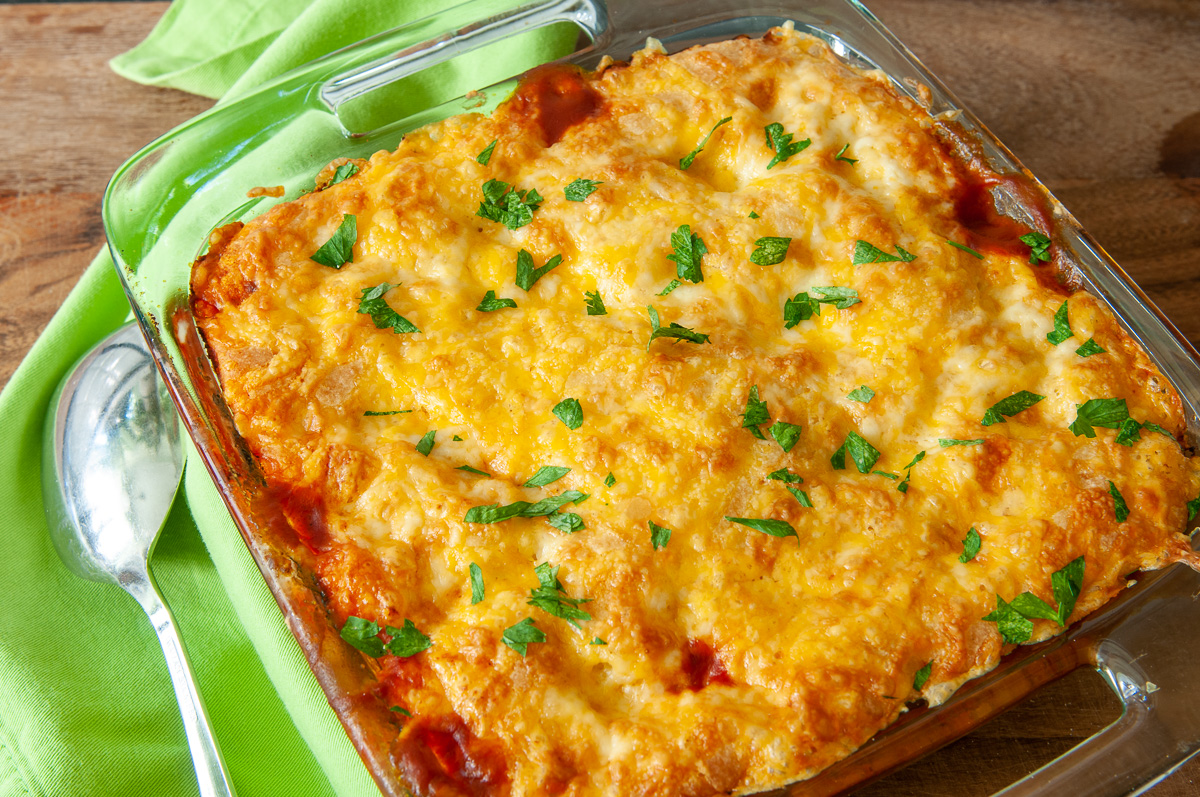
[(727, 659)]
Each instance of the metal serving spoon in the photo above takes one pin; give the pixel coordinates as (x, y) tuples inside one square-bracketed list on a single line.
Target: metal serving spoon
[(111, 465)]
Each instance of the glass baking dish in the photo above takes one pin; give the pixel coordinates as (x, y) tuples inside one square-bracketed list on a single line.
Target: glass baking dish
[(162, 204)]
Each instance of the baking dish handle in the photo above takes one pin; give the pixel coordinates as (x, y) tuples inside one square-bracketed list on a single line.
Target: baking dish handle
[(589, 15), (1159, 728)]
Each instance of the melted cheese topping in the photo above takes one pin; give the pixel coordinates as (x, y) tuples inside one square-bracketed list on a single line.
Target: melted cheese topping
[(732, 660)]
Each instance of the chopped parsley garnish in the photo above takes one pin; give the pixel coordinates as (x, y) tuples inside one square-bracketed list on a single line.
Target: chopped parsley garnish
[(1008, 407), (1120, 508), (842, 157), (1129, 432), (785, 475), (946, 442), (688, 249), (550, 597), (547, 474), (687, 159), (610, 479), (869, 253), (477, 590), (520, 636), (672, 285), (566, 522), (595, 304), (659, 535), (800, 496), (363, 635), (861, 393), (754, 215), (494, 513), (841, 298), (861, 452), (425, 445), (781, 143), (407, 641), (1062, 326), (377, 413), (476, 471), (756, 413), (965, 248), (1089, 348), (1014, 619), (490, 304), (1109, 413), (527, 275), (1193, 507), (770, 250), (504, 204), (373, 304), (483, 157), (885, 474), (339, 249), (400, 710), (570, 412), (343, 172), (920, 455), (786, 434), (922, 676), (800, 307), (776, 528), (672, 330), (1039, 246), (597, 641), (456, 439), (971, 545), (581, 189), (903, 486)]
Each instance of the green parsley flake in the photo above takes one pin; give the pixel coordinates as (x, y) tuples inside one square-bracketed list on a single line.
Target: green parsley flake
[(800, 307), (786, 434), (550, 597), (903, 486), (1014, 619), (1193, 507), (672, 285), (922, 676), (483, 157), (373, 304), (490, 304), (686, 160), (547, 474), (377, 413), (399, 710), (754, 215), (781, 144), (456, 439), (841, 156), (581, 189), (1062, 326), (504, 204), (1008, 407), (363, 635), (494, 513), (869, 253), (1089, 348), (800, 496), (785, 475), (527, 275), (776, 528), (610, 480), (946, 442), (861, 452), (1129, 432), (689, 249), (965, 248), (477, 583), (659, 535), (595, 304), (597, 641), (861, 393), (1039, 246), (1109, 413), (343, 172), (841, 298), (756, 413), (771, 251), (885, 474), (1014, 628), (920, 455), (673, 330), (1120, 508), (566, 522), (339, 249), (971, 546), (426, 443), (476, 471), (570, 412), (520, 636), (407, 641)]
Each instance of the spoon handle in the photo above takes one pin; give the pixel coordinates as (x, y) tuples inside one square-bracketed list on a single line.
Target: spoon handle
[(211, 773)]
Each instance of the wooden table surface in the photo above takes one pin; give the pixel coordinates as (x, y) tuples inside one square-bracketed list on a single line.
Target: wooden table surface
[(1100, 98)]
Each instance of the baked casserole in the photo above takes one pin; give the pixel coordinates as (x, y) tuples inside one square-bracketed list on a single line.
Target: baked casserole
[(674, 427)]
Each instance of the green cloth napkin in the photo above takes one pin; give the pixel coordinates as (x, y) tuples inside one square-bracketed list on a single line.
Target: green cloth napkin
[(86, 706)]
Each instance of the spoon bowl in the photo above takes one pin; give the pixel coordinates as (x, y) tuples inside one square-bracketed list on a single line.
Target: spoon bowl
[(111, 465)]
